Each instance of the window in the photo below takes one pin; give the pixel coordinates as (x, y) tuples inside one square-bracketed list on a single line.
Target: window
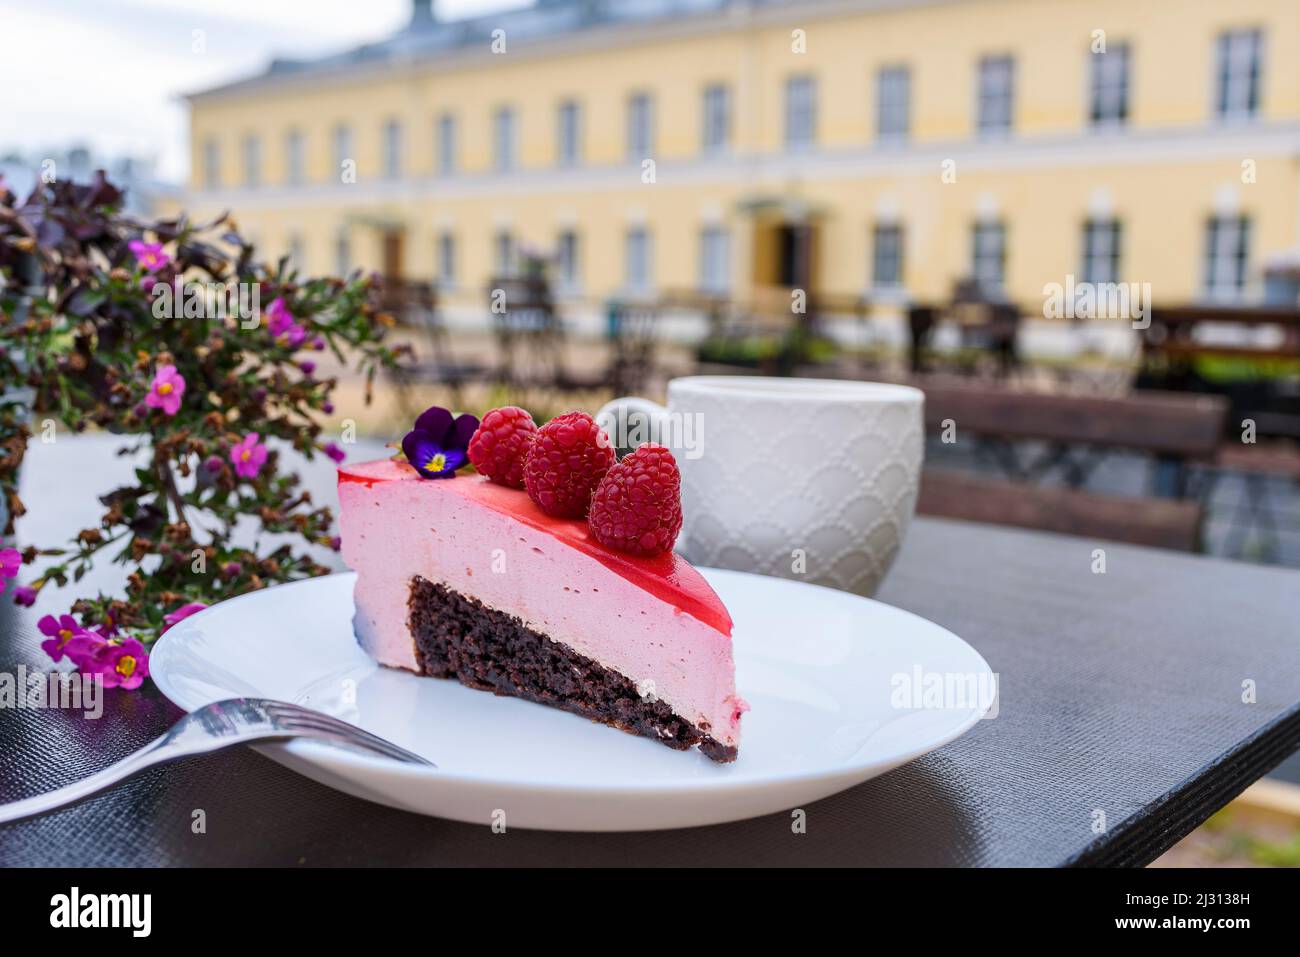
[(1101, 244), (447, 259), (503, 253), (392, 150), (893, 103), (1238, 69), (997, 78), (342, 253), (715, 136), (503, 139), (637, 259), (1109, 106), (988, 257), (1227, 252), (568, 134), (800, 112), (252, 161), (566, 260), (887, 256), (342, 147), (293, 158), (640, 127), (296, 254), (715, 259), (211, 163), (446, 144)]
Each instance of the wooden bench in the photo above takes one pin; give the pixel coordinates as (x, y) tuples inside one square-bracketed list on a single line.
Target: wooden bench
[(1176, 430)]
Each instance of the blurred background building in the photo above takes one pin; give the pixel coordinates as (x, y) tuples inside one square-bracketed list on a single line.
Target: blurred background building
[(744, 147)]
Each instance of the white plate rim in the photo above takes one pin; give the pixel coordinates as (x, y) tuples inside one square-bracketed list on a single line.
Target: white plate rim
[(341, 761)]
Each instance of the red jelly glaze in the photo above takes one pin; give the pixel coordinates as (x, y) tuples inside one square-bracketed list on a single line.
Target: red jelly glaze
[(668, 577)]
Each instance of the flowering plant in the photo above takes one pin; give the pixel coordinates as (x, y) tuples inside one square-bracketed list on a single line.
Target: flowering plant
[(101, 326)]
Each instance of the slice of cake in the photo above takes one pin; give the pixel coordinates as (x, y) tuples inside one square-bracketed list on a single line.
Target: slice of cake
[(470, 578)]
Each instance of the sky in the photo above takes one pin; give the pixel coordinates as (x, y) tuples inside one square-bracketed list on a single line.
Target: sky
[(110, 73)]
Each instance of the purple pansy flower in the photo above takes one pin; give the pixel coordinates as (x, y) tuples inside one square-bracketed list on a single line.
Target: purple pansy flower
[(437, 444), (248, 455), (183, 612), (283, 327), (25, 595), (123, 664), (150, 256), (333, 451), (60, 631), (166, 391)]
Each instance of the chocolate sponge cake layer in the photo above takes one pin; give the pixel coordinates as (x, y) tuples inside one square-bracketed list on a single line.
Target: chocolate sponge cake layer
[(458, 637)]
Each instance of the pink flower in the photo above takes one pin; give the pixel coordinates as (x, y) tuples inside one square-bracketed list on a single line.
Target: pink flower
[(166, 391), (25, 595), (280, 322), (61, 632), (334, 452), (248, 456), (10, 561), (183, 612), (123, 664), (149, 255)]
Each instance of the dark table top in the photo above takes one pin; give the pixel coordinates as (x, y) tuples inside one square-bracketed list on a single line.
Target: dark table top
[(1124, 721)]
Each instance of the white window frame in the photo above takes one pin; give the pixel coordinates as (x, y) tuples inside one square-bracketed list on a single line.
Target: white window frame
[(1238, 74), (343, 151), (294, 157), (251, 149), (1227, 257), (211, 163), (1103, 244), (446, 145), (893, 103), (800, 111), (446, 245), (879, 232), (715, 122), (638, 260), (995, 108), (505, 139), (568, 261), (1109, 93), (715, 259), (640, 126), (393, 148), (989, 249), (568, 133), (504, 253)]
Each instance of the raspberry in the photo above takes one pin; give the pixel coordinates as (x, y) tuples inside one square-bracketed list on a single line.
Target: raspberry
[(501, 444), (637, 507), (565, 463)]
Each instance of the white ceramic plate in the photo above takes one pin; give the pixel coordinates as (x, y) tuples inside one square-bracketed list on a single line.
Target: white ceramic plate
[(820, 668)]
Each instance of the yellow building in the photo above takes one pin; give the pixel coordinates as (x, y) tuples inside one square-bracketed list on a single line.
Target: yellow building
[(879, 147)]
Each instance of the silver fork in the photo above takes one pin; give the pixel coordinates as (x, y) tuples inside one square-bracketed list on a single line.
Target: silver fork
[(215, 727)]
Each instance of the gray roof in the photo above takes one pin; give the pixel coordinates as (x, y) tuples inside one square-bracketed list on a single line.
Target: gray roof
[(426, 37)]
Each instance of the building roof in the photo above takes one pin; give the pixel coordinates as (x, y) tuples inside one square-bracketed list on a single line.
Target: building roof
[(425, 37)]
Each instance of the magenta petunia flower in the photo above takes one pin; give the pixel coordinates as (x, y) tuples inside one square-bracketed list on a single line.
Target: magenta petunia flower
[(25, 595), (333, 451), (166, 391), (282, 326), (61, 632), (149, 256), (10, 561), (248, 456), (123, 664), (183, 612)]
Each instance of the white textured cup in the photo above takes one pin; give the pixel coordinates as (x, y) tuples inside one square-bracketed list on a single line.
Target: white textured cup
[(809, 479)]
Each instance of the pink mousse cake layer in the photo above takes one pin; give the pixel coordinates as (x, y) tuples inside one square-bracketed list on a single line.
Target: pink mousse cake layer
[(652, 620)]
